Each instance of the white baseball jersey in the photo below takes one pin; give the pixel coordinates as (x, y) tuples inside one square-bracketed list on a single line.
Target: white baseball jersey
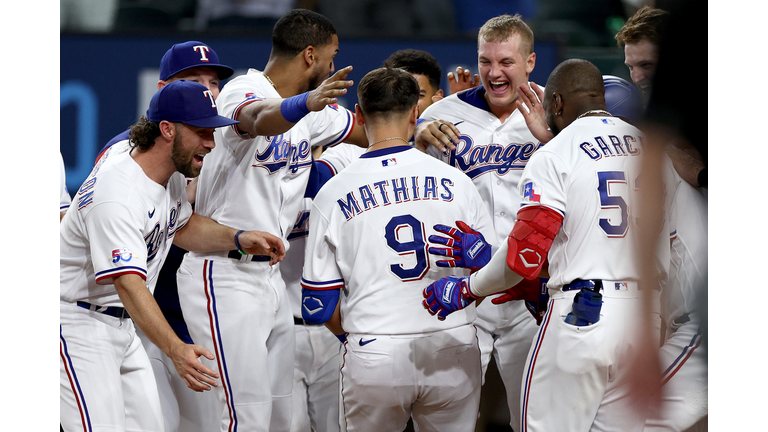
[(592, 180), (368, 233), (590, 173), (493, 154), (123, 223), (245, 176), (64, 200)]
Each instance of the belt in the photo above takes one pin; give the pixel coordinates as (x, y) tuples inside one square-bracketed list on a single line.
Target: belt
[(235, 254), (299, 321), (578, 284), (114, 311)]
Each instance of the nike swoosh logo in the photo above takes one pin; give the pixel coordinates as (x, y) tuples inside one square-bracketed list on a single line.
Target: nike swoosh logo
[(362, 342), (152, 213), (458, 123)]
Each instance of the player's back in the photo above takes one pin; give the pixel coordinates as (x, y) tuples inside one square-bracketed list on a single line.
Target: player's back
[(590, 172), (376, 217)]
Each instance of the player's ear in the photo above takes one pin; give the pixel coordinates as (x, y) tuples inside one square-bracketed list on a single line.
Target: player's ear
[(161, 84), (309, 55), (437, 96), (359, 115), (167, 130), (414, 115), (530, 62), (557, 104)]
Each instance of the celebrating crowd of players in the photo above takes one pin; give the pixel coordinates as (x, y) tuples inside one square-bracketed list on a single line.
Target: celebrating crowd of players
[(343, 289)]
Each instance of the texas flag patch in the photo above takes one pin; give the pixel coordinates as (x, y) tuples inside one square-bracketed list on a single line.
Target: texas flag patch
[(389, 162), (530, 194)]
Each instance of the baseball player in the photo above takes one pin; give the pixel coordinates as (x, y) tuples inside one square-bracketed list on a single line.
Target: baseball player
[(65, 200), (578, 211), (424, 67), (182, 409), (367, 236), (495, 137), (261, 167), (129, 210)]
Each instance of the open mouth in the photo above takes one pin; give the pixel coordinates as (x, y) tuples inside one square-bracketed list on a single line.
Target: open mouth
[(199, 159), (499, 87)]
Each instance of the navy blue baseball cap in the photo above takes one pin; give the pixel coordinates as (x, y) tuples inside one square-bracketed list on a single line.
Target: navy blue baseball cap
[(186, 102), (192, 54)]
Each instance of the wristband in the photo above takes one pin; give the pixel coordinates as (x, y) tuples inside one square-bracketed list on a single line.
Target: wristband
[(237, 242), (295, 108)]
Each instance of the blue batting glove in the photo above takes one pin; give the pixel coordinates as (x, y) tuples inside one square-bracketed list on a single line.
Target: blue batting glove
[(466, 246), (447, 295)]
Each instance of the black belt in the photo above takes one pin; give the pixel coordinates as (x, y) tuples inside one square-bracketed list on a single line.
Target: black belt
[(299, 321), (235, 254), (114, 311)]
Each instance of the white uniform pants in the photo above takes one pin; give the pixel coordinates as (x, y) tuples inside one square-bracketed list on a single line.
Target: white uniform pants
[(106, 380), (432, 377), (685, 385), (316, 380), (184, 410), (506, 330), (239, 311), (576, 377)]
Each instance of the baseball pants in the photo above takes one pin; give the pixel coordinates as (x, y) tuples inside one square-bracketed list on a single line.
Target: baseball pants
[(106, 380), (184, 410), (506, 331), (685, 385), (316, 380), (432, 377), (576, 377), (239, 311)]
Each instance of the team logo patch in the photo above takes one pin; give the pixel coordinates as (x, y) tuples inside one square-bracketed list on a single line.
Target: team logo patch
[(530, 194), (122, 254), (389, 162)]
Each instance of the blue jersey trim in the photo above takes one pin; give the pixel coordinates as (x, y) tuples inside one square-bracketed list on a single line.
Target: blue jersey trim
[(386, 151), (475, 97)]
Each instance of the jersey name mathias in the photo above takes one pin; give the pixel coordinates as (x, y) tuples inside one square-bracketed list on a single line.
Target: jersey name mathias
[(477, 159), (394, 191)]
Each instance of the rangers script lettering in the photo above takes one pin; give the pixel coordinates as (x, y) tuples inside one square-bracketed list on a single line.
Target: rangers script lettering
[(280, 152), (478, 159)]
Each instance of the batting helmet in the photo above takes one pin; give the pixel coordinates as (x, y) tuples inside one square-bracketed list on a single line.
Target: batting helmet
[(623, 99)]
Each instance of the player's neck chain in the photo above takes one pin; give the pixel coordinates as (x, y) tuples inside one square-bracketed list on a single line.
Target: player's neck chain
[(270, 81), (387, 139), (595, 112)]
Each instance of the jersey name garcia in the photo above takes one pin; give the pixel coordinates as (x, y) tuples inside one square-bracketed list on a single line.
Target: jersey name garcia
[(368, 233), (257, 183), (122, 222), (493, 154), (590, 173)]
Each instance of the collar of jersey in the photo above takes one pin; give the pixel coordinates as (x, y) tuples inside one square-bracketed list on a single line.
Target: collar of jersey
[(386, 151), (475, 97)]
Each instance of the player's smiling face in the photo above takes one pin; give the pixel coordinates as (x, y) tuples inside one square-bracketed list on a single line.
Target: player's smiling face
[(190, 146), (323, 66), (201, 75), (502, 69), (641, 58)]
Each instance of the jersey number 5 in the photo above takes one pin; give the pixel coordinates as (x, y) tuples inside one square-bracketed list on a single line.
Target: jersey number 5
[(405, 235), (613, 201)]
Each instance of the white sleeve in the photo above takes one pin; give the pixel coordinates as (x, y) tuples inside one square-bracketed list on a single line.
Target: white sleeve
[(65, 200), (320, 269), (117, 244), (543, 182), (330, 126), (496, 276), (340, 156)]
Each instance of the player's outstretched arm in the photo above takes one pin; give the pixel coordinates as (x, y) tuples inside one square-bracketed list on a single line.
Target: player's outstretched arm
[(145, 312), (271, 117), (441, 134), (533, 112), (202, 234)]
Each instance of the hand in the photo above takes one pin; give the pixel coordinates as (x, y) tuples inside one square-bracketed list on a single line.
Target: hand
[(262, 243), (441, 134), (464, 81), (197, 376), (447, 295), (534, 114), (468, 247), (533, 292), (329, 91)]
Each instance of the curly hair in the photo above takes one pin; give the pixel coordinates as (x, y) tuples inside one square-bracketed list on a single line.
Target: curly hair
[(416, 62), (648, 23), (503, 27), (144, 133)]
